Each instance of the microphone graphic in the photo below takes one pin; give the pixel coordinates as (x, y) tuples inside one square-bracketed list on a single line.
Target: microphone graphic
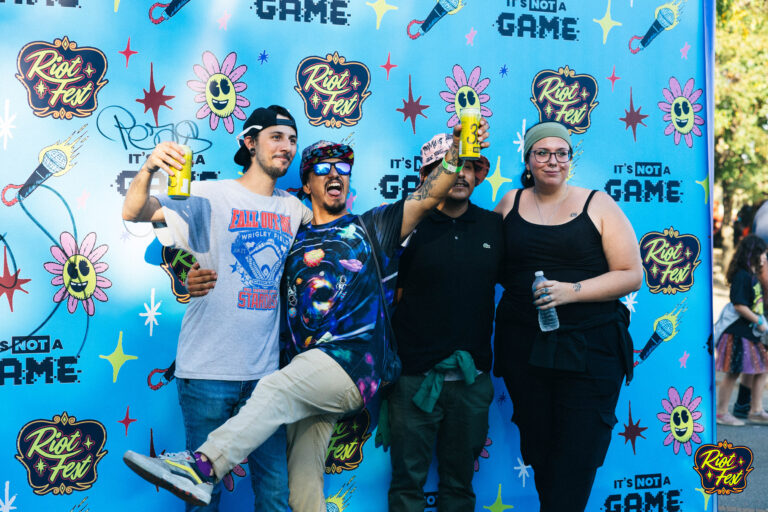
[(664, 330), (442, 8), (170, 10), (666, 19), (54, 162)]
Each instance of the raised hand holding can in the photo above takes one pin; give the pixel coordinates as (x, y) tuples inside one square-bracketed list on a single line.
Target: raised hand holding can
[(179, 182), (469, 142)]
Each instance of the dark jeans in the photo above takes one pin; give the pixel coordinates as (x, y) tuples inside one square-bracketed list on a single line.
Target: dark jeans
[(206, 405), (458, 424)]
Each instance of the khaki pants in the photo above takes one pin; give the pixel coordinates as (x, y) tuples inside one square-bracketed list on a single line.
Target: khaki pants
[(308, 395)]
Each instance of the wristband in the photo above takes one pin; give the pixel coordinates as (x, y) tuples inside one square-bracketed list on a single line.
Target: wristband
[(451, 168), (760, 320)]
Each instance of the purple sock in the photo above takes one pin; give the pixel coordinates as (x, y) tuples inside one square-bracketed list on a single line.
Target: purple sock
[(204, 466)]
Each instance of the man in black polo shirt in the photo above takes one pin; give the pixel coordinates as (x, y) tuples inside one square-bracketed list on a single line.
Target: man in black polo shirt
[(443, 324)]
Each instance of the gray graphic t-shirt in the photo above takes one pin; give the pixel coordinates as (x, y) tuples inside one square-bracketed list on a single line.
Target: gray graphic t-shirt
[(232, 333)]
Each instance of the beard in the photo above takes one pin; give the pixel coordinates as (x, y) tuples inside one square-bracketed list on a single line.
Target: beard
[(336, 208), (273, 171)]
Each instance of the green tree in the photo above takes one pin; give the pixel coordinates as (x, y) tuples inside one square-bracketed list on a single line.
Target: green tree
[(741, 106)]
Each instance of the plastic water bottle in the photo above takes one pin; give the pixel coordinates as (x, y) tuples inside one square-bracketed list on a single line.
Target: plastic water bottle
[(547, 317)]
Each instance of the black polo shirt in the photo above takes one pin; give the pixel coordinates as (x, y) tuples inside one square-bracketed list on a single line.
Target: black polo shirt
[(448, 273)]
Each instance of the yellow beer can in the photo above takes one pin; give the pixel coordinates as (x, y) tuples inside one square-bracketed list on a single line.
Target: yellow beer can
[(179, 183), (469, 143)]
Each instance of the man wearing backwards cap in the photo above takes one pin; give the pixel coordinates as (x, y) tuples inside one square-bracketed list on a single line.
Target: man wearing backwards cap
[(339, 280), (243, 228), (443, 324)]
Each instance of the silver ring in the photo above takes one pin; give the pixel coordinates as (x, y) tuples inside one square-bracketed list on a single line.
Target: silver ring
[(546, 297), (546, 291)]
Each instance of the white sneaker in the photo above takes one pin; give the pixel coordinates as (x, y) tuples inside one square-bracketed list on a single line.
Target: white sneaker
[(176, 472)]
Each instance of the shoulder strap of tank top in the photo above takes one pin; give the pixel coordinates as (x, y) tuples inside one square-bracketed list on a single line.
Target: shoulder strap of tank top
[(517, 200), (589, 198)]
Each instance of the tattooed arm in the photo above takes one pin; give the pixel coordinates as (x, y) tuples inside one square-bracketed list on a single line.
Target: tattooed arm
[(437, 184)]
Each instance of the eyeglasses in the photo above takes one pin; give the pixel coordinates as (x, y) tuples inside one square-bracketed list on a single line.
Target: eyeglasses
[(324, 168), (542, 155)]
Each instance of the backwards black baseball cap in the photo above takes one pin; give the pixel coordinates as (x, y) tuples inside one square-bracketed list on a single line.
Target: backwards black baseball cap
[(258, 120)]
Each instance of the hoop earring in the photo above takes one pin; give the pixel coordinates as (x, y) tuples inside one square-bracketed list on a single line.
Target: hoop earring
[(252, 151)]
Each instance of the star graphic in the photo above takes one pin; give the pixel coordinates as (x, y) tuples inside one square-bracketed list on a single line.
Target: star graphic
[(6, 123), (412, 108), (632, 430), (522, 470), (502, 398), (117, 4), (633, 117), (125, 236), (127, 420), (503, 71), (83, 199), (89, 70), (606, 23), (315, 99), (6, 504), (630, 300), (388, 66), (684, 360), (548, 110), (684, 51), (154, 99), (706, 497), (10, 283), (128, 52), (151, 312), (88, 442), (40, 467), (654, 270), (705, 185), (688, 253), (355, 83), (117, 358), (40, 89), (496, 180), (381, 7), (584, 94), (223, 20), (471, 37), (234, 267), (498, 505), (183, 276), (263, 57), (613, 78), (520, 142)]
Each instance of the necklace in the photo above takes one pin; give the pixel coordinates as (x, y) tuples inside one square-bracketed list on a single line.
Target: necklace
[(554, 211)]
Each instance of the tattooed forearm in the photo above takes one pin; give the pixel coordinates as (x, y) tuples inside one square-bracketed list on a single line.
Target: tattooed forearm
[(425, 190), (577, 287), (452, 156)]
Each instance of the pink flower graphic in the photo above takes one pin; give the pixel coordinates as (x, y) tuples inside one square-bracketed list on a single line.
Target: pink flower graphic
[(465, 93), (218, 90), (679, 420), (77, 272), (681, 108)]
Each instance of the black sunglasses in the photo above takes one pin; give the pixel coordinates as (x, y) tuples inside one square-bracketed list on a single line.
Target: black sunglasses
[(324, 168)]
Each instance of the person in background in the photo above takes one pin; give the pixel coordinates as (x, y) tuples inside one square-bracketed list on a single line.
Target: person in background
[(739, 350), (443, 324), (564, 384)]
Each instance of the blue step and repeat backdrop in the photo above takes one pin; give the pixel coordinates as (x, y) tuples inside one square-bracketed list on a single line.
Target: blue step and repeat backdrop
[(90, 306)]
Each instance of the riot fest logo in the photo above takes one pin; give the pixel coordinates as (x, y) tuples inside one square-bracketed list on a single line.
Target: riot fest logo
[(723, 467), (669, 260), (565, 97), (61, 455), (333, 90), (61, 79)]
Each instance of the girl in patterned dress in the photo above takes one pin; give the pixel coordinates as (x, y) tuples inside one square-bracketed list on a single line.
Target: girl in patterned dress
[(739, 349)]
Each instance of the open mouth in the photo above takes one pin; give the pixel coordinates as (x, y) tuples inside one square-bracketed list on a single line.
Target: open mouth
[(681, 123), (77, 287), (220, 105), (681, 432), (334, 188)]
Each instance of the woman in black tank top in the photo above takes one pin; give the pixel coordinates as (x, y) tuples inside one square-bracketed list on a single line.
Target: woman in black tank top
[(564, 385)]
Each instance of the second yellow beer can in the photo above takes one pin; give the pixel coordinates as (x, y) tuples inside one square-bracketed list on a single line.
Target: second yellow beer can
[(469, 143)]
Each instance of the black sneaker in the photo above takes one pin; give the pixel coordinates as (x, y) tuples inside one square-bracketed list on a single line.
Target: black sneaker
[(176, 472), (741, 411)]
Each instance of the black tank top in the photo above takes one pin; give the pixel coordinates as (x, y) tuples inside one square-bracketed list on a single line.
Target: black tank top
[(569, 252)]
